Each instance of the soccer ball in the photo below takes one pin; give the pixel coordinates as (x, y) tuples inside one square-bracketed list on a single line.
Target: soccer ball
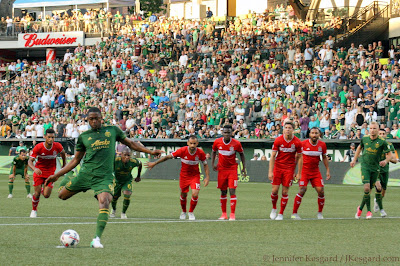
[(69, 238)]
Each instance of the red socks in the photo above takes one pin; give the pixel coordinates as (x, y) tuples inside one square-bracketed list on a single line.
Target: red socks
[(183, 204), (35, 203), (321, 203), (284, 201), (193, 203), (297, 202), (223, 204), (274, 199), (233, 203)]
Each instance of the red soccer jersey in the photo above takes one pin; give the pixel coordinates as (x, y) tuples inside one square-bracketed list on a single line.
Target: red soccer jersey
[(286, 152), (46, 158), (190, 162), (311, 155), (227, 153)]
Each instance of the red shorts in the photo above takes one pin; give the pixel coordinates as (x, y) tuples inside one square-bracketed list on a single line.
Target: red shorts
[(39, 180), (185, 183), (283, 176), (315, 179), (227, 179)]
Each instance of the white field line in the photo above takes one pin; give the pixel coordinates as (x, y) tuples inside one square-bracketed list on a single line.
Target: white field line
[(178, 221)]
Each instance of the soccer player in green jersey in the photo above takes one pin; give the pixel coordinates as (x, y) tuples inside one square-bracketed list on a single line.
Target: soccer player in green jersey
[(383, 178), (374, 147), (123, 166), (19, 167), (97, 145)]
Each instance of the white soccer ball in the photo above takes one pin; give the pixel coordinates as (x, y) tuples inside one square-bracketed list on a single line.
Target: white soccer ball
[(69, 238)]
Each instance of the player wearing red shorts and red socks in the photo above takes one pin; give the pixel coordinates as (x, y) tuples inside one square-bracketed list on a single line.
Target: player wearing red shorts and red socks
[(313, 149), (227, 168), (282, 167), (190, 157), (46, 154)]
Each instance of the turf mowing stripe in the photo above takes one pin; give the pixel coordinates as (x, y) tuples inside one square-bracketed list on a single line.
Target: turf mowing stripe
[(186, 221)]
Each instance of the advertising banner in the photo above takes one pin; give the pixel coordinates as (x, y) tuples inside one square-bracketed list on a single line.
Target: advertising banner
[(50, 39)]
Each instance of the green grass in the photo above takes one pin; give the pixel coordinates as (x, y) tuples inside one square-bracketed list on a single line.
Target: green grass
[(154, 235)]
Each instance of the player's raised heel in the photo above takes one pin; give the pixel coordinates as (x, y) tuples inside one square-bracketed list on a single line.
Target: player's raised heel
[(112, 214), (358, 213), (232, 217), (279, 217), (10, 196), (182, 216), (272, 215), (383, 213), (223, 217), (33, 214), (295, 216), (320, 216), (29, 196), (96, 243), (369, 215), (123, 216), (376, 206), (191, 216)]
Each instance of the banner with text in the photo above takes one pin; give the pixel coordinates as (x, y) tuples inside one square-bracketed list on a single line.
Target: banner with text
[(50, 39)]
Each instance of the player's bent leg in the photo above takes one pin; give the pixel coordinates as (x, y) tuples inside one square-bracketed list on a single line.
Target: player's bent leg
[(193, 204), (125, 204), (297, 202), (47, 191), (28, 187), (114, 206), (284, 200), (10, 186), (65, 194), (183, 201)]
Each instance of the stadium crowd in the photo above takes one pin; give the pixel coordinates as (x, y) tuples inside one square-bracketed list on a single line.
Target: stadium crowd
[(169, 78)]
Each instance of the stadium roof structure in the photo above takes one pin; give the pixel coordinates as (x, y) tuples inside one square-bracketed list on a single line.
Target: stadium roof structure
[(69, 4)]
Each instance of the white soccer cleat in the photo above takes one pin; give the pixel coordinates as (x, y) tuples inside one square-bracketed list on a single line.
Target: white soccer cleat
[(33, 214), (320, 216), (112, 214), (96, 243), (376, 206), (279, 217), (29, 196), (295, 216), (191, 216), (182, 216), (10, 196), (383, 213), (123, 216), (272, 215)]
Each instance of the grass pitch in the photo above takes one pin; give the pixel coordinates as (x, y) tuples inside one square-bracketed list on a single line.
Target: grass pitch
[(153, 233)]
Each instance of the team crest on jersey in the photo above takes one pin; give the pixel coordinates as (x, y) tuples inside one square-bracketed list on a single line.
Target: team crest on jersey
[(89, 138), (108, 134), (377, 145), (293, 146), (231, 148), (185, 157), (54, 153), (282, 146), (319, 148), (197, 158)]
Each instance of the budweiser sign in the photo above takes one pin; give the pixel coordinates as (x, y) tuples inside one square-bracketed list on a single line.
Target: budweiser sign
[(51, 39)]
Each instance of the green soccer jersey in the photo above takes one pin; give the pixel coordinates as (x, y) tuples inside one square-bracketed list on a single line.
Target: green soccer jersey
[(386, 168), (123, 171), (99, 146), (20, 164), (373, 151)]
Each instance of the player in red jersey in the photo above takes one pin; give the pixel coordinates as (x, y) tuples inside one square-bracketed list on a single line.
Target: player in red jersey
[(190, 157), (282, 167), (46, 154), (312, 149), (227, 168)]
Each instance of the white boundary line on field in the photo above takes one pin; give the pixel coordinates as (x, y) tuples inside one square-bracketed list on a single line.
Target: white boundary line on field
[(180, 221)]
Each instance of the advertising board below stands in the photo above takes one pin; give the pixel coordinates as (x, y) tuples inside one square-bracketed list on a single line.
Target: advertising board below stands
[(50, 39)]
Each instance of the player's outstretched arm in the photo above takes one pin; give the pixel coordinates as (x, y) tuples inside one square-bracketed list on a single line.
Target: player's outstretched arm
[(358, 151), (213, 155), (36, 170), (207, 172), (271, 166), (150, 165), (71, 165), (326, 163), (139, 147), (139, 172)]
